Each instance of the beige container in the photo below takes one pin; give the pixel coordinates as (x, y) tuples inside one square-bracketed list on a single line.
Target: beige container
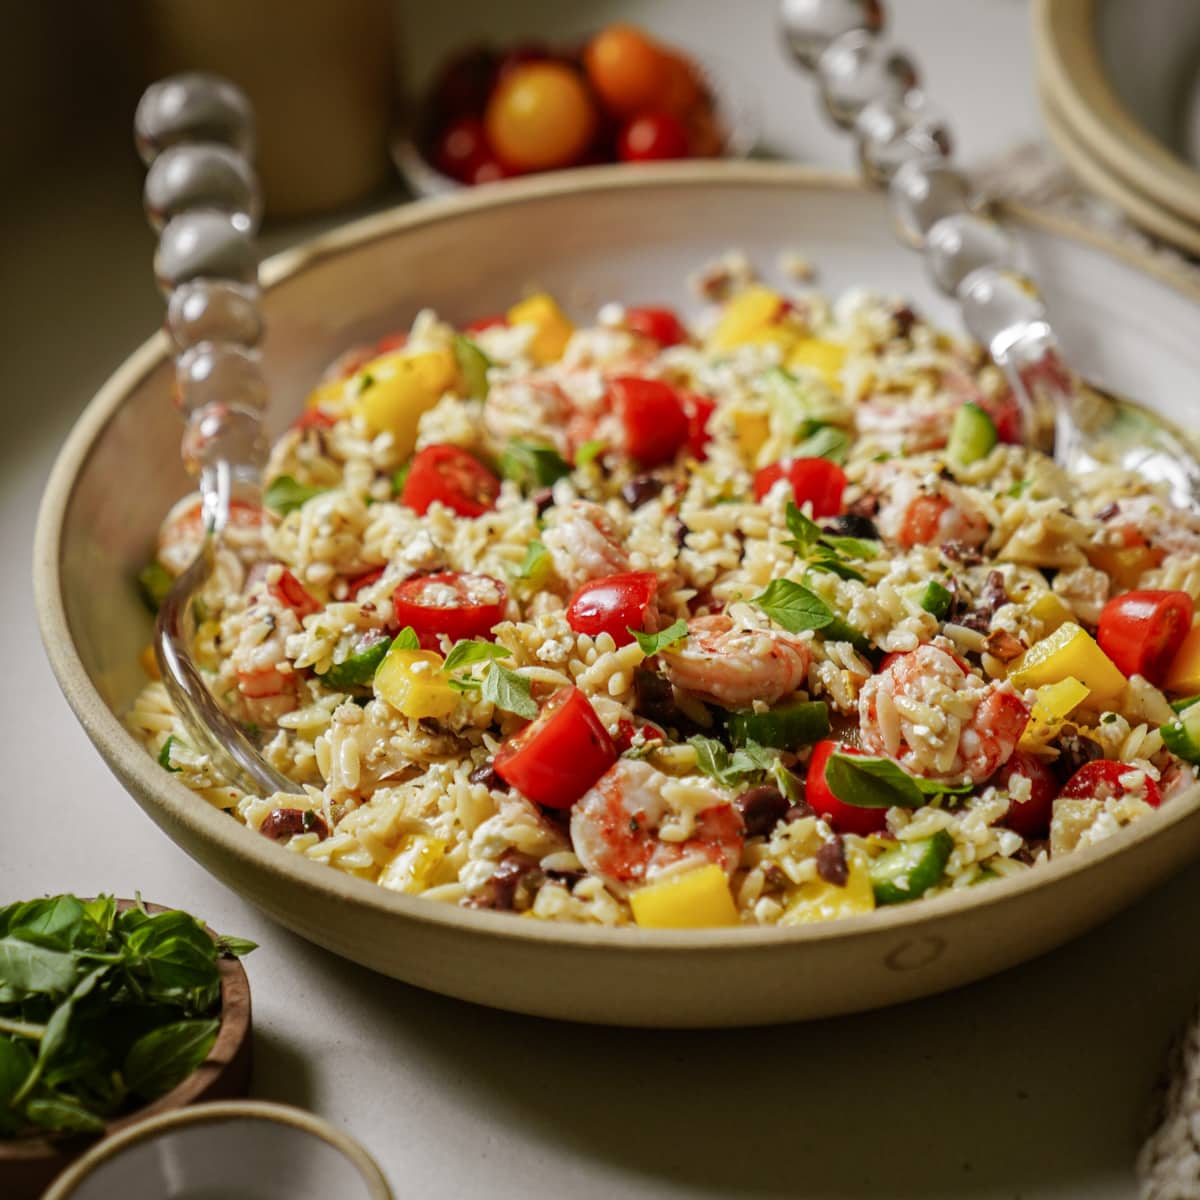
[(321, 77)]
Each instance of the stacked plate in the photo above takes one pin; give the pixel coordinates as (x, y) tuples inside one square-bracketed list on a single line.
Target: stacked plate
[(1120, 89)]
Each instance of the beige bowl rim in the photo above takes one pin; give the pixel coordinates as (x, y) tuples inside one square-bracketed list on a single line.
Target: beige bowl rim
[(288, 870)]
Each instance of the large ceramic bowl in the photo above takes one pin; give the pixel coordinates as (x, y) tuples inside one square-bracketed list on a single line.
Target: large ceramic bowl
[(587, 236)]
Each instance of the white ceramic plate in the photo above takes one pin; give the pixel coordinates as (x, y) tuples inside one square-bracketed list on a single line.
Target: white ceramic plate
[(587, 235)]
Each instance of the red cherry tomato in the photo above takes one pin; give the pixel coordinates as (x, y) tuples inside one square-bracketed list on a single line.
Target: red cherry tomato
[(558, 755), (1142, 631), (482, 323), (813, 479), (652, 416), (1030, 818), (460, 148), (661, 325), (1005, 412), (392, 341), (699, 410), (456, 604), (314, 418), (614, 605), (845, 818), (464, 83), (446, 473), (1102, 779), (627, 731), (652, 137), (488, 170), (358, 582), (287, 589), (923, 520)]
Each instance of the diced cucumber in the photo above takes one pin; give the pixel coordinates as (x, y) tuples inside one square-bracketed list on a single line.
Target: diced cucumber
[(933, 598), (972, 435), (357, 669), (910, 869), (1184, 704), (155, 582), (785, 728), (473, 365), (1182, 736)]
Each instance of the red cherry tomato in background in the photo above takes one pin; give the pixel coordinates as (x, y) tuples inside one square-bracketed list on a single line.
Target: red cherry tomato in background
[(614, 605), (482, 323), (358, 582), (392, 341), (452, 476), (464, 83), (653, 418), (923, 521), (288, 590), (660, 325), (1102, 779), (314, 418), (699, 410), (652, 137), (558, 755), (460, 148), (451, 602), (816, 480), (488, 170), (1142, 631), (1030, 818), (845, 818)]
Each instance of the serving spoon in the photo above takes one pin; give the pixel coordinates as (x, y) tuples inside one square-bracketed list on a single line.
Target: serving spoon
[(195, 132), (871, 89)]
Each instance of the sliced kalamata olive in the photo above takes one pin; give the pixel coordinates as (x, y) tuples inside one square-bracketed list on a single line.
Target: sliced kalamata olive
[(485, 773), (762, 808), (1075, 750), (500, 892), (798, 811), (283, 823), (543, 500), (849, 524), (641, 489), (831, 861)]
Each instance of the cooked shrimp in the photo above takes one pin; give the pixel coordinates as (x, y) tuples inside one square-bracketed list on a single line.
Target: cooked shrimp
[(904, 426), (939, 720), (267, 684), (528, 408), (182, 532), (584, 543), (734, 667), (637, 822), (1150, 519), (923, 511)]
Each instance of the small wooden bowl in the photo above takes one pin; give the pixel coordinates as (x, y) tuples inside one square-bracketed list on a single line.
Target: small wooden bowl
[(29, 1163)]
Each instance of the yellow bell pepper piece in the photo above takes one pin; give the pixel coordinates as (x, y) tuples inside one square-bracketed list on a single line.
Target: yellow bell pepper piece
[(1126, 564), (750, 312), (329, 397), (817, 900), (751, 430), (149, 662), (827, 358), (553, 329), (393, 391), (1057, 700), (1068, 651), (415, 865), (698, 899), (1051, 611), (1183, 676), (413, 683)]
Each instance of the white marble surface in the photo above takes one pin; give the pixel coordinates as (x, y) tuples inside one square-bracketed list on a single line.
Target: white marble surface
[(1030, 1085)]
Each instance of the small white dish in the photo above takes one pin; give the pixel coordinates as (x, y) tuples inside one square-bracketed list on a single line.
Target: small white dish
[(236, 1150)]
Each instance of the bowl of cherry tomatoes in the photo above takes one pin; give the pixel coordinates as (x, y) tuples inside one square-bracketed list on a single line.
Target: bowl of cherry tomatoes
[(621, 96)]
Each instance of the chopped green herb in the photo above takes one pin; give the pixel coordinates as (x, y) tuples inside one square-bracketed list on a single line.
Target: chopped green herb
[(716, 761), (509, 691), (653, 643), (536, 565), (826, 551), (357, 669), (1019, 488), (934, 599), (155, 582), (473, 366), (868, 782), (793, 607), (531, 465), (164, 755), (285, 495), (588, 452), (468, 651), (365, 380)]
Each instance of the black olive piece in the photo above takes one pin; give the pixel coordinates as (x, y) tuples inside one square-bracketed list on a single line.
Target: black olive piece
[(852, 525)]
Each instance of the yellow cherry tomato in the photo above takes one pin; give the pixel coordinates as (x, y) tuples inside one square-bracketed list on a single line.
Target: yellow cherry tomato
[(540, 116), (629, 72)]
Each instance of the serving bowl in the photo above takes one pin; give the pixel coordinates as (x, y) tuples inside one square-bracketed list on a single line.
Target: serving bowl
[(588, 235), (1121, 86)]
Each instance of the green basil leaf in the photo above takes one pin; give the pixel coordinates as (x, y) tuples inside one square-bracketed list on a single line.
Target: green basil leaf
[(851, 547), (588, 452), (473, 650), (30, 970), (508, 691), (57, 922), (835, 566), (235, 947), (869, 782), (531, 465), (164, 755), (715, 761), (464, 684), (653, 643), (357, 669), (805, 531), (164, 1057), (826, 441), (16, 1063), (64, 1115), (793, 607), (284, 495), (407, 639), (155, 582), (472, 365), (536, 564), (399, 476)]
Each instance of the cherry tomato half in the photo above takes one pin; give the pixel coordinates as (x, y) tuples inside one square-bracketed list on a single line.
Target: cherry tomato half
[(288, 590), (652, 415), (629, 72), (314, 418), (392, 341), (454, 603), (460, 148), (699, 411), (482, 323), (845, 818), (652, 137), (923, 521), (1102, 779), (816, 480), (1142, 631), (660, 325), (540, 116), (614, 605), (453, 477), (1030, 818), (558, 755)]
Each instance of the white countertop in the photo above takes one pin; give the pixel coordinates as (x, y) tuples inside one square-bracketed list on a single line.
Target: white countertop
[(1028, 1085)]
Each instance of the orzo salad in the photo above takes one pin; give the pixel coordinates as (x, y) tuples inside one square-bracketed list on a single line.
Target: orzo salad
[(768, 621)]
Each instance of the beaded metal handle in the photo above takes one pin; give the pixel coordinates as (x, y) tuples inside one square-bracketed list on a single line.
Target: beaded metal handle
[(872, 89), (196, 134)]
